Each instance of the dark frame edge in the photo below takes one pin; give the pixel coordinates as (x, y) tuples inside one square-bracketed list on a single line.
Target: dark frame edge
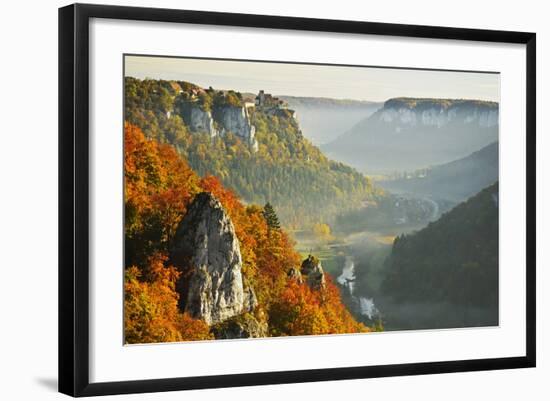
[(301, 23), (73, 357), (531, 201), (301, 376), (73, 325), (66, 304)]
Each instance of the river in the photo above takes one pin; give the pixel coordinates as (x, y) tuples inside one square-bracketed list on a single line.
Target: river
[(347, 279)]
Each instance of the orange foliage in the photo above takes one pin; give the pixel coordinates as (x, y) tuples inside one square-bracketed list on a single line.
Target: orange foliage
[(228, 199), (159, 185), (150, 307), (192, 329), (302, 311)]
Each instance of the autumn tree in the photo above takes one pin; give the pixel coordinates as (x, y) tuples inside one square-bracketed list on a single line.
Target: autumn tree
[(322, 231), (158, 185), (301, 310), (150, 306), (158, 188)]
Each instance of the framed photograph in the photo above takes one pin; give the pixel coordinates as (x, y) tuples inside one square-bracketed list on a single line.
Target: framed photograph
[(250, 199)]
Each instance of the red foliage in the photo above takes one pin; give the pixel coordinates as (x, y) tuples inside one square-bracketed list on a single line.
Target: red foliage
[(159, 185)]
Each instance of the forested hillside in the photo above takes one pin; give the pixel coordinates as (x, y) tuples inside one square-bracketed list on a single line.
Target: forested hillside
[(259, 152), (167, 205), (453, 262)]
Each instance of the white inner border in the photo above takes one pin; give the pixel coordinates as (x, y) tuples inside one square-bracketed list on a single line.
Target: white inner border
[(111, 361)]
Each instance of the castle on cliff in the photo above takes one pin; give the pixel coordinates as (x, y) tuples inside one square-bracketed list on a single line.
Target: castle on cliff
[(272, 105)]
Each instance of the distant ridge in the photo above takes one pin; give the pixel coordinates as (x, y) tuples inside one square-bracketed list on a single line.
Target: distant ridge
[(310, 101), (427, 103), (410, 133), (455, 181)]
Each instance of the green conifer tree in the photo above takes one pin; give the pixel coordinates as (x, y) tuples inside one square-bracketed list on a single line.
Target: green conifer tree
[(271, 217)]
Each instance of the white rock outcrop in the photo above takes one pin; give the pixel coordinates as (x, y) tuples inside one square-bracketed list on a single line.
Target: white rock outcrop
[(236, 119), (440, 116), (206, 249), (201, 121)]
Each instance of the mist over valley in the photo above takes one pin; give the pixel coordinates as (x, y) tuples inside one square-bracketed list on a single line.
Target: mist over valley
[(360, 216)]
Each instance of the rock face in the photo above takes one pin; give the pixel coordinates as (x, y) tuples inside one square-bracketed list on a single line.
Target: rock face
[(206, 249), (439, 113), (237, 120), (315, 276), (250, 301), (309, 264), (202, 121), (198, 119), (408, 134)]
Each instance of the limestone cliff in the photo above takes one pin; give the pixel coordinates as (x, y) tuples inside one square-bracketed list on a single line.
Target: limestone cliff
[(438, 112), (413, 133), (206, 249), (236, 119), (220, 121), (196, 118), (201, 120)]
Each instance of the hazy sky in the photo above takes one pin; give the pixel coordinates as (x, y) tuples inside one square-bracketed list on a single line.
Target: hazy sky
[(361, 83)]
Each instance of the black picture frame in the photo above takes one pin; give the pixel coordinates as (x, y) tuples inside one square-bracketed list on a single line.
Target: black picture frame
[(74, 198)]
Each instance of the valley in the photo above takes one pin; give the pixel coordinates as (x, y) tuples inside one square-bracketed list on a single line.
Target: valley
[(324, 119), (358, 257), (355, 254), (325, 215)]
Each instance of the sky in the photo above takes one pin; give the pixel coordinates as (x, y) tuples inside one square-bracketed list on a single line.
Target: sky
[(359, 83)]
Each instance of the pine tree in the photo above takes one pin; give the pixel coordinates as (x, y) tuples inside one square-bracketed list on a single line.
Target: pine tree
[(271, 217)]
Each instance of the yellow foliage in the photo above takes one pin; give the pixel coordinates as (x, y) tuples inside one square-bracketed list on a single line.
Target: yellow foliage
[(322, 231)]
